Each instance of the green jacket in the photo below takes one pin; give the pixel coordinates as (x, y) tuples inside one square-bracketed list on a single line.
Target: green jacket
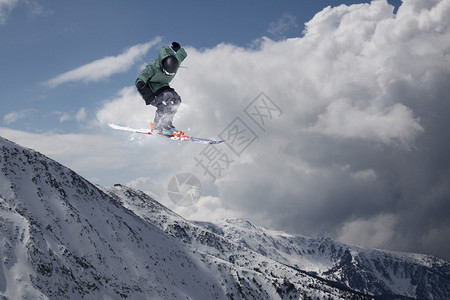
[(153, 73)]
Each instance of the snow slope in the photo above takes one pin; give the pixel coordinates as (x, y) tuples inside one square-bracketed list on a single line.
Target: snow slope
[(377, 272), (383, 274), (266, 278), (62, 237)]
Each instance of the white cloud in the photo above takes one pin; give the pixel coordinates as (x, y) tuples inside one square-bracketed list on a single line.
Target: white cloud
[(392, 124), (280, 27), (103, 68), (15, 116), (207, 208), (149, 186), (127, 108), (101, 156), (65, 117), (375, 232), (5, 7), (364, 175), (79, 116), (357, 91)]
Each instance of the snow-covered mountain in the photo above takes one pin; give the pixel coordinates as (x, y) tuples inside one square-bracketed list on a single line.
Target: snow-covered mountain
[(370, 271), (62, 237)]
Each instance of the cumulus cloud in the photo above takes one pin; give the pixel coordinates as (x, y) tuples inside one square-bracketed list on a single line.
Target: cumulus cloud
[(396, 123), (103, 68), (357, 151), (374, 232), (359, 138), (208, 208), (100, 157), (360, 143), (126, 108)]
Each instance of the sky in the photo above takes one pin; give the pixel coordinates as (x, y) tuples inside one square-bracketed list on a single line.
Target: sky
[(335, 112)]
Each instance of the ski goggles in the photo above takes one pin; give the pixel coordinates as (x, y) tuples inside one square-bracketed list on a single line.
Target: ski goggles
[(167, 73)]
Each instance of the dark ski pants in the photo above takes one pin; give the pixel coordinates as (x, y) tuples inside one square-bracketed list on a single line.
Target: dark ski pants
[(166, 102)]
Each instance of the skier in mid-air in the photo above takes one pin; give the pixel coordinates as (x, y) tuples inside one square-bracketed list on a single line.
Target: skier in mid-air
[(153, 85)]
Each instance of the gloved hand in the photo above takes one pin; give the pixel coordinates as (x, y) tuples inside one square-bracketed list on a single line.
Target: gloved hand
[(175, 46)]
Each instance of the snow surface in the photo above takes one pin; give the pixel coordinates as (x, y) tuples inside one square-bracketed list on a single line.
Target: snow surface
[(62, 237)]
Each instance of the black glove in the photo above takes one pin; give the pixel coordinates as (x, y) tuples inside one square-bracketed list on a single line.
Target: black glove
[(175, 46)]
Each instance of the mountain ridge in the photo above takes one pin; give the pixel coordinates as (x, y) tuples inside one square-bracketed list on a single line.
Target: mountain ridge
[(63, 237), (336, 260)]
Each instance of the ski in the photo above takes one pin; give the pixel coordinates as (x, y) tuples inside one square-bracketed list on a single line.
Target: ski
[(182, 138)]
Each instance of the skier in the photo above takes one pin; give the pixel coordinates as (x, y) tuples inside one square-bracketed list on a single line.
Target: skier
[(153, 85)]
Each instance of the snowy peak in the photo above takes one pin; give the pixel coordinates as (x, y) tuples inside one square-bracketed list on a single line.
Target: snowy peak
[(62, 237), (383, 274), (376, 272), (223, 253)]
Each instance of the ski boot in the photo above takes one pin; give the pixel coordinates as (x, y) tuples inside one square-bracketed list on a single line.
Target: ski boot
[(169, 130)]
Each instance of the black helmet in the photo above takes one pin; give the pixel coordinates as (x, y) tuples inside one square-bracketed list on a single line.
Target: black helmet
[(170, 65)]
